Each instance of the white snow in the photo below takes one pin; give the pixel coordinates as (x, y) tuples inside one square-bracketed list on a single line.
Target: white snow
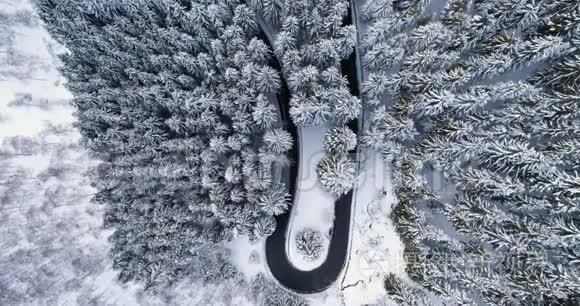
[(375, 248), (313, 207), (241, 249), (329, 297), (26, 121)]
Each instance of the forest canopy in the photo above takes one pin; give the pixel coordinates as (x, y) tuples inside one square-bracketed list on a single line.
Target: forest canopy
[(175, 99)]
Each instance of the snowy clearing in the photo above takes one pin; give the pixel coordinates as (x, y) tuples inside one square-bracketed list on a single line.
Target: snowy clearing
[(36, 124), (248, 256)]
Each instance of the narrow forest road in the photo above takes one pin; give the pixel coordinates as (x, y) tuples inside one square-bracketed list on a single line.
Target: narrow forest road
[(281, 268)]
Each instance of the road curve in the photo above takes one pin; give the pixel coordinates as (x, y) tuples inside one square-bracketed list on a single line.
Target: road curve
[(281, 268)]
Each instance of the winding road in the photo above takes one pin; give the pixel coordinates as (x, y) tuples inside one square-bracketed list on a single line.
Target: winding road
[(281, 268)]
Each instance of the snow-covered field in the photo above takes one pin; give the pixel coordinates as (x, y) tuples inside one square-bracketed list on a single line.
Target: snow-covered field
[(313, 207), (50, 125), (248, 256), (54, 250), (53, 221)]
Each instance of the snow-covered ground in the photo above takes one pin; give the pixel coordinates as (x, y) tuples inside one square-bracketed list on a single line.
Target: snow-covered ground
[(45, 83), (248, 256), (313, 207), (45, 244), (375, 247)]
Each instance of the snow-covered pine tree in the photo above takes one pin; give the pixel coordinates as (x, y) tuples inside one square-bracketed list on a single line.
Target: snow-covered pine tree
[(264, 226), (336, 173), (311, 40), (340, 140), (309, 244), (345, 163), (274, 201), (278, 141), (403, 294)]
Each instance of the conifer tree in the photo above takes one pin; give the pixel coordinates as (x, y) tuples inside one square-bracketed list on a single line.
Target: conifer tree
[(402, 293), (336, 173)]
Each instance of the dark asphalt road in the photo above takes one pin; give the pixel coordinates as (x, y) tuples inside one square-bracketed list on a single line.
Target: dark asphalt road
[(325, 275)]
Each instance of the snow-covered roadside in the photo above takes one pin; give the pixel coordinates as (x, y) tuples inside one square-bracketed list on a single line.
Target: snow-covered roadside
[(313, 207), (375, 248), (56, 207)]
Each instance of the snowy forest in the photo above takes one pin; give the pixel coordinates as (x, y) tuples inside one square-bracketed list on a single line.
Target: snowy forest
[(151, 149), (187, 147), (482, 99)]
